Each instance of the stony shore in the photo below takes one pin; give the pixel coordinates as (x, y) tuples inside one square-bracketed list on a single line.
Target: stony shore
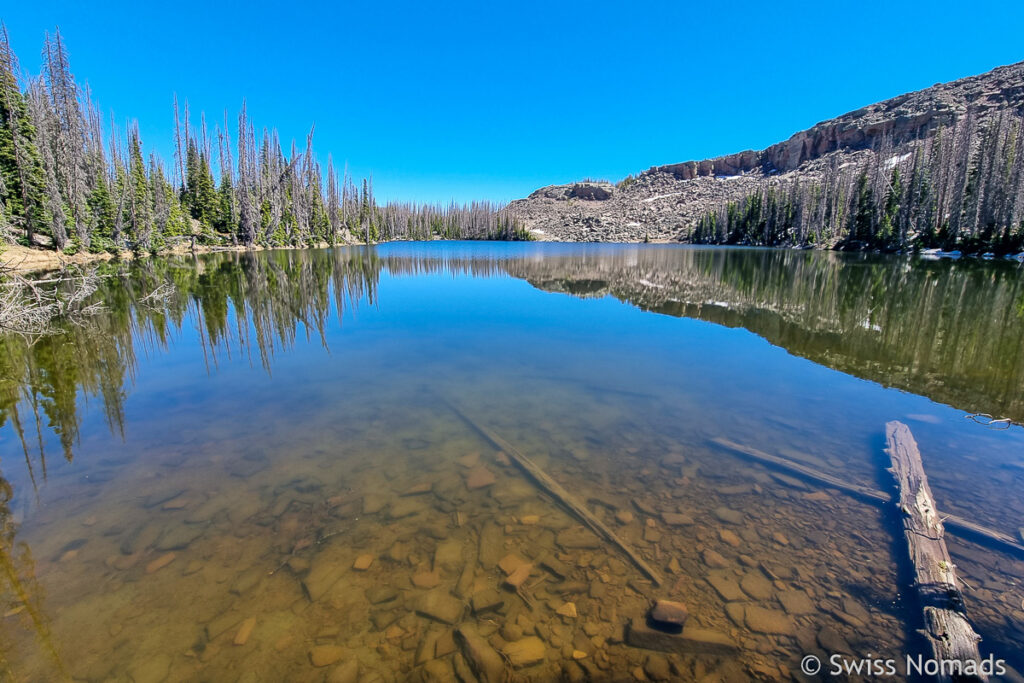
[(20, 259)]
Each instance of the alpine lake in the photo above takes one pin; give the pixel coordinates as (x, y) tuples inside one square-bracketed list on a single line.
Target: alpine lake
[(306, 465)]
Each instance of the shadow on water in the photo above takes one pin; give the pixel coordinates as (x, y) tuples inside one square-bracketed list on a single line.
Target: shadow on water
[(602, 400)]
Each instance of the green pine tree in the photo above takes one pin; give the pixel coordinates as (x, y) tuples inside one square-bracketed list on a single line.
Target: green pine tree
[(22, 190), (140, 211)]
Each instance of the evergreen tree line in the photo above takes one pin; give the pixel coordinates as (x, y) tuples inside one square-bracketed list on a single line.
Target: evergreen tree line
[(960, 188), (69, 181)]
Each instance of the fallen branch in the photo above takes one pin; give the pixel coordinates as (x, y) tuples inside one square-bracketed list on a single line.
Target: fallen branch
[(967, 527), (949, 633), (560, 494), (29, 309)]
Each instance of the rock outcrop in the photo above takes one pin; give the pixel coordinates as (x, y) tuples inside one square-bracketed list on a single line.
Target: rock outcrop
[(664, 202)]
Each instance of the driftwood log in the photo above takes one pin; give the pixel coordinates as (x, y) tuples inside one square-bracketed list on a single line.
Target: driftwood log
[(949, 633), (952, 522), (556, 490)]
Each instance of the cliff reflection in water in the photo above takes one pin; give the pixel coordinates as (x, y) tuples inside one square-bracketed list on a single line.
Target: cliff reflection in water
[(949, 331)]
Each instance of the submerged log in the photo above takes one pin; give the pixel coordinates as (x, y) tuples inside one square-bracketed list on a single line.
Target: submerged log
[(949, 633), (952, 522), (559, 493)]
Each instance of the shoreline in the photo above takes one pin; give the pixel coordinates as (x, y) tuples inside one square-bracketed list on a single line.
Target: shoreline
[(19, 259), (22, 260)]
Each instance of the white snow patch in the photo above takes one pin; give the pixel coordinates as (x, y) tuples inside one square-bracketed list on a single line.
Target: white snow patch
[(650, 284), (898, 159), (659, 196), (932, 254)]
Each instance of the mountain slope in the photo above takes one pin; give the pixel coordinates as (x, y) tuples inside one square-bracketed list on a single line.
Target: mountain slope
[(666, 202)]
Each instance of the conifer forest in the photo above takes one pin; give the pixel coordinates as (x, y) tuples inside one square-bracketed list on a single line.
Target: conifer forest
[(72, 179), (961, 188)]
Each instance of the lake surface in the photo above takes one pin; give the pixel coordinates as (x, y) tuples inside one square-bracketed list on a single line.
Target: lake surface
[(270, 469)]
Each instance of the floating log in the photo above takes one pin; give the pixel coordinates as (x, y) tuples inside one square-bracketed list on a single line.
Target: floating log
[(950, 634), (555, 489), (952, 522)]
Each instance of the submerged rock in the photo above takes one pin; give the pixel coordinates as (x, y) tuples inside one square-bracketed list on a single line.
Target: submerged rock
[(362, 563), (437, 671), (426, 579), (441, 606), (567, 610), (161, 497), (465, 583), (480, 477), (179, 536), (757, 586), (728, 515), (657, 668), (519, 576), (379, 594), (407, 507), (151, 669), (247, 580), (726, 586), (796, 602), (487, 601), (525, 652), (448, 555), (831, 641), (244, 631), (670, 613), (676, 519), (324, 573), (555, 566), (484, 661), (469, 460), (761, 620), (325, 655), (511, 562), (715, 560), (372, 504), (491, 547), (577, 538), (418, 489), (160, 562), (345, 673), (736, 611), (729, 537)]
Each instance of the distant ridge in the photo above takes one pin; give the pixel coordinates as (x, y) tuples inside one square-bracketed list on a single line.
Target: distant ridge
[(666, 202)]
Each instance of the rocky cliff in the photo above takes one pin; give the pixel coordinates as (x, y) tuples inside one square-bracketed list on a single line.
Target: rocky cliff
[(664, 202)]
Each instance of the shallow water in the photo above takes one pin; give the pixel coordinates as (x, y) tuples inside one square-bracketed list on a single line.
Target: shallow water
[(205, 469)]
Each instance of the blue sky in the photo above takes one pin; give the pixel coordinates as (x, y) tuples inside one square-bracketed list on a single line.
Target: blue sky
[(492, 100)]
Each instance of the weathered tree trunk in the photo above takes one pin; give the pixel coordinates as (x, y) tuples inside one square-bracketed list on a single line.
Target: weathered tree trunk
[(947, 629)]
